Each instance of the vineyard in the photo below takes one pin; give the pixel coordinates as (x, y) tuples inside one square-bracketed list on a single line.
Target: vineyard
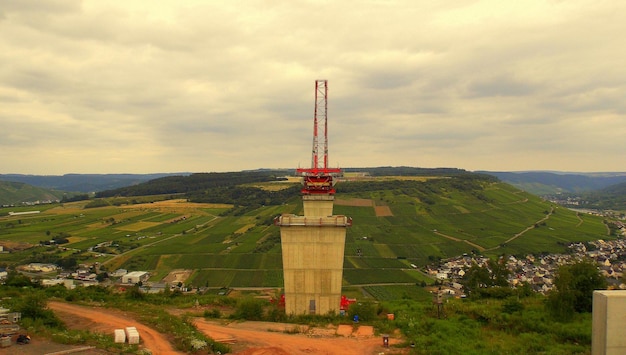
[(230, 246)]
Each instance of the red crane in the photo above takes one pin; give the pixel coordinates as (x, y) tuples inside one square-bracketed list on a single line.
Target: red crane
[(319, 178)]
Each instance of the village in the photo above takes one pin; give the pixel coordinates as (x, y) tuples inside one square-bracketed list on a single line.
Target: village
[(539, 271)]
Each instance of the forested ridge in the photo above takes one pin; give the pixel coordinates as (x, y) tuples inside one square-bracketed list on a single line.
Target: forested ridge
[(190, 184), (236, 188), (408, 171), (609, 198)]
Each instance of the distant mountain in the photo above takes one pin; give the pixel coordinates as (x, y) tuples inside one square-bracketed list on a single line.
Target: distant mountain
[(84, 182), (535, 182), (547, 183), (15, 193)]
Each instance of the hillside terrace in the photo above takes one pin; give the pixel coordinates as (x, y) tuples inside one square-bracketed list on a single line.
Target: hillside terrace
[(538, 271)]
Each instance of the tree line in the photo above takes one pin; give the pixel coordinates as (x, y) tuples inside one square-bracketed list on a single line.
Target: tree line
[(232, 188), (190, 184)]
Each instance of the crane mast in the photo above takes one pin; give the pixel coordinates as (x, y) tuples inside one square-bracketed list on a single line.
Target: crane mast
[(319, 178)]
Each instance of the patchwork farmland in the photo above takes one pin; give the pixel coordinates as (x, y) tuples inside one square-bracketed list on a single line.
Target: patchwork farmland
[(392, 229)]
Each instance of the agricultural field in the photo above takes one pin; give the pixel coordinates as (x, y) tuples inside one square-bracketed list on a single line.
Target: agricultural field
[(421, 223), (397, 292)]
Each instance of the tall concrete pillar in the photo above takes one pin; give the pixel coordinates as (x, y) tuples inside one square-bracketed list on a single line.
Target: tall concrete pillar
[(609, 323), (318, 205), (313, 248)]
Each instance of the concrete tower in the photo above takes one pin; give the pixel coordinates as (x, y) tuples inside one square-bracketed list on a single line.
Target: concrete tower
[(313, 244), (313, 249)]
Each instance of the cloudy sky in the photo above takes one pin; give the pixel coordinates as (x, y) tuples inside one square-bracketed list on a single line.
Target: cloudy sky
[(144, 86)]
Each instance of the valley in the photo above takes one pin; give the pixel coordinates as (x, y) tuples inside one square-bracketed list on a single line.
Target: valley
[(397, 223)]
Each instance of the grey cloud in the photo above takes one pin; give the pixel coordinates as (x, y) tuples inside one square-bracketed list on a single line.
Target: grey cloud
[(52, 7), (534, 121), (500, 86), (6, 98), (386, 80), (594, 99), (35, 80)]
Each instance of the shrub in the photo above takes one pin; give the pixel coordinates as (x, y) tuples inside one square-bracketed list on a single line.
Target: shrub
[(249, 308), (512, 305), (213, 313), (365, 310), (34, 306)]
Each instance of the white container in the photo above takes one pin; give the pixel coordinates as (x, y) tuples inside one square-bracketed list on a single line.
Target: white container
[(120, 336), (132, 335)]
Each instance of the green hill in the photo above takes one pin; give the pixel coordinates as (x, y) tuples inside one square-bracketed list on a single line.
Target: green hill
[(397, 222), (15, 193), (609, 198)]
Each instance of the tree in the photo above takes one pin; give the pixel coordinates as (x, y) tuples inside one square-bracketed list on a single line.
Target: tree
[(33, 305), (575, 284), (477, 279), (499, 272), (474, 278), (15, 279), (67, 263)]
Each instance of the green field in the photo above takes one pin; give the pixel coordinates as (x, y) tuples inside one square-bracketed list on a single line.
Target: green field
[(429, 220)]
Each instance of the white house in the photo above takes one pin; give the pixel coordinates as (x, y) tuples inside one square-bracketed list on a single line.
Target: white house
[(118, 273), (442, 275), (135, 277)]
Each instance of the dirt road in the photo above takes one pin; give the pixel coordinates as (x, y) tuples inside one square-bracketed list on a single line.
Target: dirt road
[(245, 338), (480, 248), (105, 320), (260, 338)]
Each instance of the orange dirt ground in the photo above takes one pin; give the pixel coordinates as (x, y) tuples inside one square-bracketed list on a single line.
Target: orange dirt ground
[(105, 320), (245, 338), (261, 338)]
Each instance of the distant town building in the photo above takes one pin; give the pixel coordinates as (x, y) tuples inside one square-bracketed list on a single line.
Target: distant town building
[(69, 284), (118, 273), (39, 267), (135, 277)]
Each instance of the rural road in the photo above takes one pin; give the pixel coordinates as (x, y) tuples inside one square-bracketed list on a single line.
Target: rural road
[(461, 240), (106, 320), (247, 338)]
